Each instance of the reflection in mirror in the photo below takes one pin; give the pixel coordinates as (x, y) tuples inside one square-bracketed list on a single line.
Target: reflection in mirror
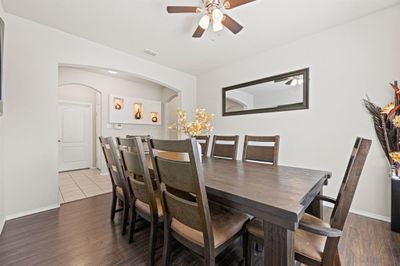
[(279, 93)]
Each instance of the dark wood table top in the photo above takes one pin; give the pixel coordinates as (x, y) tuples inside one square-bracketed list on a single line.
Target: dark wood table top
[(279, 190), (278, 194)]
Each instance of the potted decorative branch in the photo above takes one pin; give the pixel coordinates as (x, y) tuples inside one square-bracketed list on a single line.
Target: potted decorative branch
[(387, 127), (200, 125)]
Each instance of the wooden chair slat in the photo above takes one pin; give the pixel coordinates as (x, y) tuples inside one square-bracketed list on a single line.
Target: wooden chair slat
[(260, 153), (139, 190), (132, 162), (176, 174), (228, 151), (262, 138), (142, 137), (187, 212), (223, 150), (226, 138), (170, 145)]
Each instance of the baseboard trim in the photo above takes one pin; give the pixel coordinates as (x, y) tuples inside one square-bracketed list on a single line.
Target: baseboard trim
[(371, 215), (364, 213), (30, 212), (105, 173), (2, 223)]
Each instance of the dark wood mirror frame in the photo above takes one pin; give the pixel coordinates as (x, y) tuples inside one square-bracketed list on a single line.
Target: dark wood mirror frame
[(287, 107)]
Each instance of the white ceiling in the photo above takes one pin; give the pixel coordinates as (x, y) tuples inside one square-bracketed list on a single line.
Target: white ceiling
[(134, 25)]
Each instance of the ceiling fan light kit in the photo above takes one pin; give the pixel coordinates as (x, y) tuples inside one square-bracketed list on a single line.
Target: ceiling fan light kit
[(213, 13), (204, 22)]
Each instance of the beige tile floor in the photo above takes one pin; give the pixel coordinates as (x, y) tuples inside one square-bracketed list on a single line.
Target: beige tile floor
[(80, 184)]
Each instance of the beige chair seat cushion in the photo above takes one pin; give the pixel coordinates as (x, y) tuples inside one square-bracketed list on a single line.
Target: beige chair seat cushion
[(305, 243), (225, 224), (145, 208)]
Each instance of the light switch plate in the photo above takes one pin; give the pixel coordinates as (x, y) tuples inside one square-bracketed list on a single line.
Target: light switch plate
[(1, 107)]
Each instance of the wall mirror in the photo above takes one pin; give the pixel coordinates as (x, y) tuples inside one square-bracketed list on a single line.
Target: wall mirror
[(284, 92)]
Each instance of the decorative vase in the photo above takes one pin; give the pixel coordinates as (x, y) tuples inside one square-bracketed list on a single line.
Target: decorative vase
[(138, 115), (395, 208)]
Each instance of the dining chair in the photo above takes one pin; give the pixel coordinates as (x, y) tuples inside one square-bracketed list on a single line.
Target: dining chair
[(316, 242), (203, 141), (267, 152), (144, 140), (142, 137), (203, 227), (225, 147), (120, 189), (144, 200)]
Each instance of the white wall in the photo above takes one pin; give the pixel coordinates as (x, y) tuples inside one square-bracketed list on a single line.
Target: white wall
[(346, 63), (2, 197), (171, 102), (2, 192), (33, 53), (109, 85)]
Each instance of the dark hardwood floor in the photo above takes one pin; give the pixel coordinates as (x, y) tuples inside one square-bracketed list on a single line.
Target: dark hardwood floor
[(80, 233)]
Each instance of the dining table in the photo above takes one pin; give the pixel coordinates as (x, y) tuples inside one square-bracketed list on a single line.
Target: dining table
[(279, 195)]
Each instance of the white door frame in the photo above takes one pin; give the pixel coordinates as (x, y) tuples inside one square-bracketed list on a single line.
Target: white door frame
[(90, 126), (98, 130)]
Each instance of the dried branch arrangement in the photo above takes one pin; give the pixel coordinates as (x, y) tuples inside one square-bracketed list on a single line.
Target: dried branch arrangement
[(201, 124), (387, 125)]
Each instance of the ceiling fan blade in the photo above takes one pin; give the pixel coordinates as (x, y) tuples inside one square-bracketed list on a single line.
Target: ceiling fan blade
[(199, 31), (289, 82), (281, 80), (183, 9), (231, 24), (229, 4)]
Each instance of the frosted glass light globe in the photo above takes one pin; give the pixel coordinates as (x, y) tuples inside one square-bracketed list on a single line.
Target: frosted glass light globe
[(204, 22)]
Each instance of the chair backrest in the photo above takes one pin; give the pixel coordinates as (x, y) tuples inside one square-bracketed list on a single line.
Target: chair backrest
[(345, 197), (144, 139), (137, 172), (180, 175), (349, 183), (261, 149), (225, 147), (112, 161), (204, 141)]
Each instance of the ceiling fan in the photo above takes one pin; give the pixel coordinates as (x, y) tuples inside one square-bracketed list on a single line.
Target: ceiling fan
[(291, 81), (213, 12)]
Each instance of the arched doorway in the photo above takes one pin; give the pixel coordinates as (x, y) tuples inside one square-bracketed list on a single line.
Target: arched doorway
[(108, 85), (79, 109)]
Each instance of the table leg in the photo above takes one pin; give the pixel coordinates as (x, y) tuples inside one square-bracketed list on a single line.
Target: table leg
[(316, 208), (278, 245)]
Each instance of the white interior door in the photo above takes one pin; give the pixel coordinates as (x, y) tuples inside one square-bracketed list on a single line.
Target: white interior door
[(75, 136)]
